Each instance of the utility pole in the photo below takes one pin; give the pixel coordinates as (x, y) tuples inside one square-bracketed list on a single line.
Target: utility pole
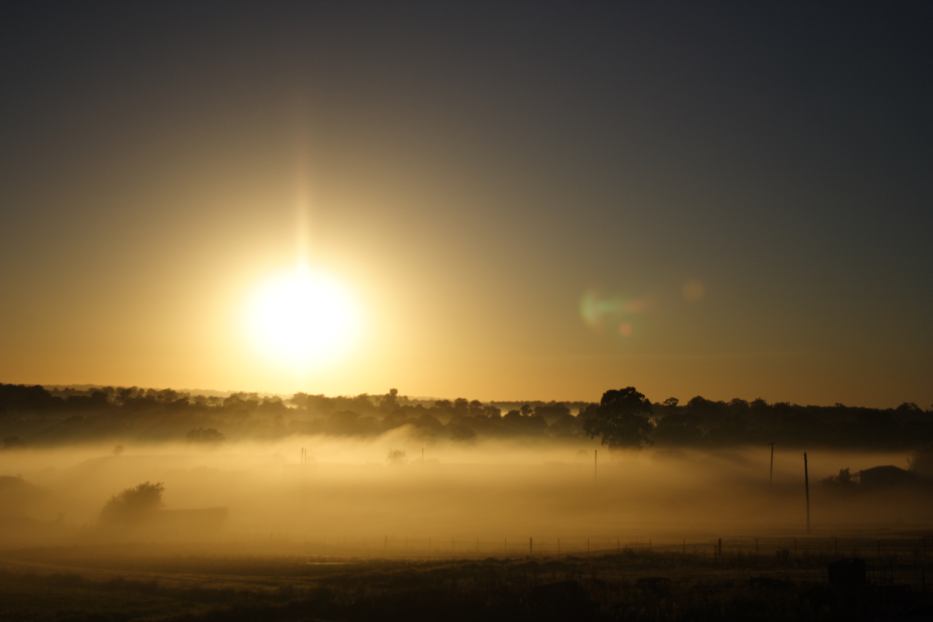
[(595, 464), (806, 485), (771, 470)]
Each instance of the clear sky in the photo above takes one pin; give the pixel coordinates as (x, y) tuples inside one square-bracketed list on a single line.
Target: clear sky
[(522, 200)]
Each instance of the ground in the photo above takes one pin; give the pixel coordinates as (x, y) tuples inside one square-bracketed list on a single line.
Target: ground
[(660, 583)]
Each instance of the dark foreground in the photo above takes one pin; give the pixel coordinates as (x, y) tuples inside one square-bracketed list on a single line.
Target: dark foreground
[(127, 584)]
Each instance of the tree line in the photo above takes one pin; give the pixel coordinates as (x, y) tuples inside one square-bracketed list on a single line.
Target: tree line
[(36, 415)]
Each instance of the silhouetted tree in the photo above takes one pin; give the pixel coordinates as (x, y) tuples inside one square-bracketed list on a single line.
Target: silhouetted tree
[(461, 407), (389, 401), (621, 419)]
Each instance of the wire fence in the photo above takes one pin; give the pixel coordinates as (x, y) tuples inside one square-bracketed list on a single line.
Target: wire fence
[(888, 560), (917, 547)]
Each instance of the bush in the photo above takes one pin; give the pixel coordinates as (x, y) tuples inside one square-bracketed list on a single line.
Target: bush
[(133, 504)]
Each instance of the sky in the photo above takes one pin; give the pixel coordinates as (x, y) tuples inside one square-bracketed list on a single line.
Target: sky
[(537, 200)]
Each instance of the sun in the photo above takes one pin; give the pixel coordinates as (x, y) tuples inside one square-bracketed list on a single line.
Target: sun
[(301, 318)]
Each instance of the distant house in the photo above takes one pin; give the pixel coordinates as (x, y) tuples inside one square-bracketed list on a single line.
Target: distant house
[(888, 476)]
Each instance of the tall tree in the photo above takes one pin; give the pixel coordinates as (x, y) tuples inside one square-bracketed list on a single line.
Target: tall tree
[(621, 419)]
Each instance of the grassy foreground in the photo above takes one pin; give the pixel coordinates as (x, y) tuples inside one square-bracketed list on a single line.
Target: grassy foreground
[(84, 584)]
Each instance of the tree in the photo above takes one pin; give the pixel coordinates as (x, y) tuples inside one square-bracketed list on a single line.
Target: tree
[(133, 504), (621, 419), (389, 401)]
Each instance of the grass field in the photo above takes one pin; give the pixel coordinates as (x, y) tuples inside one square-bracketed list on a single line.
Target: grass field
[(633, 583)]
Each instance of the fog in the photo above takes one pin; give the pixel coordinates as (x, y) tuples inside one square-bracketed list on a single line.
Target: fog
[(328, 495)]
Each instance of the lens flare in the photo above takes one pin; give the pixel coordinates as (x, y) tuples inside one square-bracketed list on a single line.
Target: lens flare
[(611, 313), (693, 290)]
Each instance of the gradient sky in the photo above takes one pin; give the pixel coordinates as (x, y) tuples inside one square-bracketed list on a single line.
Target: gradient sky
[(528, 200)]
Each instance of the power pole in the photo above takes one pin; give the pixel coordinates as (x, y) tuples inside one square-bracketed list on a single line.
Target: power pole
[(806, 485), (595, 464), (771, 470)]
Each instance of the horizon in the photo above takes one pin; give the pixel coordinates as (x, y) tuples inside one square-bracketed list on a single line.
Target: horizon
[(425, 398)]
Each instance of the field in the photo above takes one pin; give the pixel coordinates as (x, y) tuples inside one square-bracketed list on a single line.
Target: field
[(489, 531), (786, 579)]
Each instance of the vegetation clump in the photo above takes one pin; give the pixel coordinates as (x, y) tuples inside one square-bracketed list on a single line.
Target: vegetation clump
[(133, 505)]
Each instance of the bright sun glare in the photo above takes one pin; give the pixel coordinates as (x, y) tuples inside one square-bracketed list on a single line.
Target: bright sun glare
[(301, 318)]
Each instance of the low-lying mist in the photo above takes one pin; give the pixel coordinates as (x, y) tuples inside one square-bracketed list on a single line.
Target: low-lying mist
[(394, 495)]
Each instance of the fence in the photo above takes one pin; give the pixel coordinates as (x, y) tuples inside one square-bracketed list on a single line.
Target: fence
[(889, 559), (520, 546)]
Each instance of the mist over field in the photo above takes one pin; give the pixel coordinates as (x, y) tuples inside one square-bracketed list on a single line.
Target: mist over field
[(331, 495), (389, 475)]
